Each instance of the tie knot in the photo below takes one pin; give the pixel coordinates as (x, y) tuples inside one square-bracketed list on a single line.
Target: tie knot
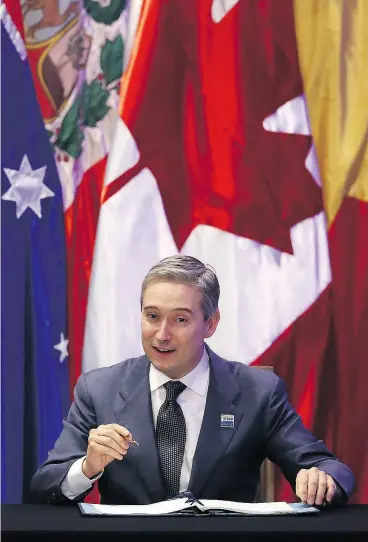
[(174, 389)]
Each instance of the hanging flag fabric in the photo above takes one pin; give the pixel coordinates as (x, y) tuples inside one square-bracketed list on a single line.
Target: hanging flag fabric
[(213, 157), (333, 51), (34, 342), (77, 52)]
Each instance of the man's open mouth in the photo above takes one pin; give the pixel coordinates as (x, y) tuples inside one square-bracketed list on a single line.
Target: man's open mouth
[(164, 350)]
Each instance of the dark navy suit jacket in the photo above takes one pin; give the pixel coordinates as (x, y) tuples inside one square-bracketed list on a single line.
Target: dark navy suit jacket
[(227, 459)]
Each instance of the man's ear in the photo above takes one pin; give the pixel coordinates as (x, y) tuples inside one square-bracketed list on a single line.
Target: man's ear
[(212, 323)]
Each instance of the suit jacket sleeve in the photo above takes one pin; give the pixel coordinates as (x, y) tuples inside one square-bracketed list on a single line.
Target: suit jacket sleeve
[(70, 446), (292, 447)]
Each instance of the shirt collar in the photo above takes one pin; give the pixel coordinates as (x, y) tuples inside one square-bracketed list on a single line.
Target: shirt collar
[(196, 380)]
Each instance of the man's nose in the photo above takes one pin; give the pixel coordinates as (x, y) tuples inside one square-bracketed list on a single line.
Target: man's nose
[(163, 332)]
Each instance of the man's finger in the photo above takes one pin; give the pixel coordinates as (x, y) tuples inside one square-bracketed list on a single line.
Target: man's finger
[(109, 431), (301, 487), (321, 489), (112, 433), (109, 442), (313, 477), (100, 449), (123, 431), (331, 488)]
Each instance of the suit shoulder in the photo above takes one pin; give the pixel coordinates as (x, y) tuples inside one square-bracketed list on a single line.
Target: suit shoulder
[(115, 372), (255, 375)]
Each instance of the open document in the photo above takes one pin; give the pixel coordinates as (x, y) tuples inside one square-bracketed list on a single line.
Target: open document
[(202, 506)]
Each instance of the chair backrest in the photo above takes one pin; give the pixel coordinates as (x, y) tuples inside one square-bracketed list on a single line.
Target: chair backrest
[(266, 488)]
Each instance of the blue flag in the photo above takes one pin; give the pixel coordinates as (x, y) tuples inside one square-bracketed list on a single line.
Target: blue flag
[(34, 347)]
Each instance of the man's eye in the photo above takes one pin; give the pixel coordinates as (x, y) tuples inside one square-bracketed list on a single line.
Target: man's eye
[(181, 320), (152, 316)]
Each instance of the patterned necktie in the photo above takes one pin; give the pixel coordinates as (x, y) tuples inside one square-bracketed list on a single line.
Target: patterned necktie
[(171, 435)]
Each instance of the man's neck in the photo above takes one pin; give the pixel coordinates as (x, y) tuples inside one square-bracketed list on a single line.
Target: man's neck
[(158, 378)]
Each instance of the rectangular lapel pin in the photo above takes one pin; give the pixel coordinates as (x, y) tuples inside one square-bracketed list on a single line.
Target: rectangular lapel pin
[(227, 420)]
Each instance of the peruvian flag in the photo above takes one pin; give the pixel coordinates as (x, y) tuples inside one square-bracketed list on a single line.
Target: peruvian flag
[(212, 156)]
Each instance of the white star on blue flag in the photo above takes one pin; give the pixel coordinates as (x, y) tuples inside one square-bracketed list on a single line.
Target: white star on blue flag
[(62, 346), (27, 188)]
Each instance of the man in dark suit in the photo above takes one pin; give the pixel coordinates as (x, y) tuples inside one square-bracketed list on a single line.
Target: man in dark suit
[(181, 418)]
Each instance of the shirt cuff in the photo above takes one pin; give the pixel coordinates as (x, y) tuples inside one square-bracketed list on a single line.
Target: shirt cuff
[(75, 482)]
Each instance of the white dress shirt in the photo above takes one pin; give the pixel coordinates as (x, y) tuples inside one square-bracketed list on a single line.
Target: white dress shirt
[(192, 401)]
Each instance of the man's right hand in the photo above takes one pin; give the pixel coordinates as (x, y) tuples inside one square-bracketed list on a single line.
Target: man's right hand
[(106, 443)]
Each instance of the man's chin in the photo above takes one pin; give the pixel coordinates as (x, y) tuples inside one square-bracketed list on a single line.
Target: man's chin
[(163, 358), (166, 369), (166, 363)]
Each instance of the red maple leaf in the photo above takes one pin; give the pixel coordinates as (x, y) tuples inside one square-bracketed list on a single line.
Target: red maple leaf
[(196, 96)]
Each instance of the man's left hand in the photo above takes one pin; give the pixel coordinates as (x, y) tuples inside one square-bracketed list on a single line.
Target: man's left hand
[(313, 486)]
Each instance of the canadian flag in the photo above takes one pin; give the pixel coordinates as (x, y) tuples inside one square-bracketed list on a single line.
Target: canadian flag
[(212, 157)]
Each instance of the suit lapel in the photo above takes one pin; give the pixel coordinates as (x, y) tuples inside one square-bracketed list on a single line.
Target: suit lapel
[(213, 440), (133, 410)]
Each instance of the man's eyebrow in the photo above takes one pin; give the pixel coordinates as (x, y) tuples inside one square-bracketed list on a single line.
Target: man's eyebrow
[(183, 309), (176, 309)]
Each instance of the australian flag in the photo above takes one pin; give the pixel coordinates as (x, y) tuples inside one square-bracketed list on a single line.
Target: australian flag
[(34, 344)]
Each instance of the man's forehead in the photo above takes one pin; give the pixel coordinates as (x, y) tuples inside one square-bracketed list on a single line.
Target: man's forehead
[(170, 288), (172, 295)]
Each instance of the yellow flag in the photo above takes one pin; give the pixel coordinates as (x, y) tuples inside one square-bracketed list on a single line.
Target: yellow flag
[(332, 39)]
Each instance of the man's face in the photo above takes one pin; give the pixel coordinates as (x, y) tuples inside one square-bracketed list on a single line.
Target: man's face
[(173, 327)]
